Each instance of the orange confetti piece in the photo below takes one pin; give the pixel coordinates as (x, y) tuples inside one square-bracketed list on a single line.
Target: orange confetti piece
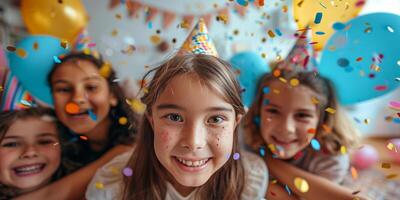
[(354, 173), (294, 82), (386, 165), (314, 100), (359, 59), (330, 110), (105, 70), (83, 137), (391, 176), (21, 53), (277, 73), (311, 131), (122, 120), (271, 34), (72, 108), (155, 39), (326, 128)]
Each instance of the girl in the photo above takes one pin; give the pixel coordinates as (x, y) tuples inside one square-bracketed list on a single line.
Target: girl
[(187, 146), (293, 109), (30, 153), (90, 104)]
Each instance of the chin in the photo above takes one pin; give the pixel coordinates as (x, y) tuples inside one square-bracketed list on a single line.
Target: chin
[(191, 182)]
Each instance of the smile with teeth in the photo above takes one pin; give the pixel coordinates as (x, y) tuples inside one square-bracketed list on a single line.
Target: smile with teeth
[(29, 169), (193, 163)]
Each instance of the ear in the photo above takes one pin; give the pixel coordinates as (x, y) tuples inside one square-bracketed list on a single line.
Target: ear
[(113, 100), (238, 119)]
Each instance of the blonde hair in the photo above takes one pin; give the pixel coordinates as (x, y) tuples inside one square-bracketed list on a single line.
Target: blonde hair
[(149, 182), (333, 130)]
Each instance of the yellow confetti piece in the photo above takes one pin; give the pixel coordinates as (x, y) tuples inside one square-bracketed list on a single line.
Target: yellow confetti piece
[(343, 150), (64, 44), (391, 176), (276, 91), (105, 70), (386, 165), (223, 18), (301, 184), (272, 147), (118, 16), (271, 34), (114, 32), (21, 53), (391, 147), (99, 185), (1, 88), (283, 80), (366, 121), (123, 120), (330, 110), (354, 173), (137, 106), (294, 82), (86, 51), (155, 39), (314, 100)]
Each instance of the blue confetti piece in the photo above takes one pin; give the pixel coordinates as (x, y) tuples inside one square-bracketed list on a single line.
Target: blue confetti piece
[(396, 120), (262, 151), (56, 59), (338, 26), (320, 33), (288, 190), (318, 18), (236, 156), (242, 2), (266, 102), (150, 25), (25, 103), (315, 144), (278, 32), (266, 90), (92, 115)]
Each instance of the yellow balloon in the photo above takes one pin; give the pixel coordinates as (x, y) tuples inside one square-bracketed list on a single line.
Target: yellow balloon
[(305, 13), (64, 19)]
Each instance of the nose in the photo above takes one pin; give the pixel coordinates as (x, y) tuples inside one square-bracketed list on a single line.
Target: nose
[(79, 96), (29, 151), (195, 136), (288, 125)]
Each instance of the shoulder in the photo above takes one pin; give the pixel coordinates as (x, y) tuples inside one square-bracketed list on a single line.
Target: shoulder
[(332, 167), (107, 183), (256, 176)]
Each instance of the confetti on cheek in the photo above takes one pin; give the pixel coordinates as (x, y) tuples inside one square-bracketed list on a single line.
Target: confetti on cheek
[(301, 184), (330, 110), (277, 73), (311, 131), (391, 147), (56, 59), (354, 173), (72, 108), (314, 100), (315, 144), (99, 185), (266, 90), (318, 18), (294, 82), (262, 151), (236, 156), (92, 115), (127, 171)]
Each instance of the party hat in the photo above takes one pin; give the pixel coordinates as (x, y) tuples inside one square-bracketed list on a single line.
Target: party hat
[(301, 55), (199, 41)]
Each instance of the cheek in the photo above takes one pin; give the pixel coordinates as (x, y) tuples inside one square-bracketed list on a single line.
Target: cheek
[(7, 157), (222, 139), (52, 153)]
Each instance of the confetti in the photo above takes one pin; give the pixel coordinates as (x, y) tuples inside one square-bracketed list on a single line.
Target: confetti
[(318, 18), (386, 165), (396, 120), (359, 59), (236, 156), (301, 184), (1, 88), (338, 26), (242, 2), (283, 80), (277, 73), (83, 137), (380, 87), (320, 33), (314, 100), (92, 44), (35, 45), (288, 190), (150, 25), (330, 110), (136, 106), (155, 39), (315, 144), (105, 70), (278, 32), (72, 108), (391, 147), (127, 171), (12, 49), (271, 34), (354, 173), (311, 131), (21, 53), (266, 102), (366, 121), (326, 128), (114, 32), (390, 29), (26, 103), (56, 59), (343, 150), (262, 151), (92, 115), (266, 90), (99, 185), (394, 105), (294, 82), (272, 147), (391, 176), (64, 44), (122, 120)]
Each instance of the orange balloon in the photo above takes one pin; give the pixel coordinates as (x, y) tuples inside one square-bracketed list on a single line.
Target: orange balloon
[(321, 15), (64, 19)]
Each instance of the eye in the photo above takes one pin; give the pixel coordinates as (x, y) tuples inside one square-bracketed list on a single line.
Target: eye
[(62, 90), (11, 144), (216, 119), (91, 88), (272, 110), (46, 142), (303, 115), (174, 117)]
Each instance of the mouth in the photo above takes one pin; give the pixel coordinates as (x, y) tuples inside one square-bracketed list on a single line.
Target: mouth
[(80, 114), (283, 143), (192, 165), (28, 170)]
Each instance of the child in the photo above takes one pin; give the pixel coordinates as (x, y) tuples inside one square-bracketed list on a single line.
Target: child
[(30, 152), (90, 104), (293, 109), (188, 144)]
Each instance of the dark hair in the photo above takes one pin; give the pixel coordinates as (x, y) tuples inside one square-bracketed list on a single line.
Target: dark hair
[(8, 118), (149, 182), (118, 134)]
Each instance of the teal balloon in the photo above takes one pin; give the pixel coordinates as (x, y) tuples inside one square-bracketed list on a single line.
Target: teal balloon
[(252, 67), (32, 69), (363, 59)]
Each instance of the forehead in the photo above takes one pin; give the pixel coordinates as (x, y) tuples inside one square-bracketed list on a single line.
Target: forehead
[(31, 126), (296, 97), (189, 91), (75, 69)]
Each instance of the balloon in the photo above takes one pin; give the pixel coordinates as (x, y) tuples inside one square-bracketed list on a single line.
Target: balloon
[(363, 59), (32, 61), (308, 13), (63, 19), (365, 157), (251, 68)]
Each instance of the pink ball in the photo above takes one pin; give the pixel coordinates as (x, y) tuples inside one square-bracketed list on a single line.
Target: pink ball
[(364, 157), (395, 155)]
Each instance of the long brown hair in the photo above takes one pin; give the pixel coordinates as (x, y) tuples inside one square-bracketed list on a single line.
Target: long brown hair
[(333, 130), (149, 182)]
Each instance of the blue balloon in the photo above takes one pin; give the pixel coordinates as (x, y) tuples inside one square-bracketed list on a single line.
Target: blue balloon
[(362, 59), (32, 69), (251, 68)]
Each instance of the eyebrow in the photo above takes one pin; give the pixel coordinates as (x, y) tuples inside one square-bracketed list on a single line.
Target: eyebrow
[(174, 106), (93, 77), (301, 109), (40, 135)]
